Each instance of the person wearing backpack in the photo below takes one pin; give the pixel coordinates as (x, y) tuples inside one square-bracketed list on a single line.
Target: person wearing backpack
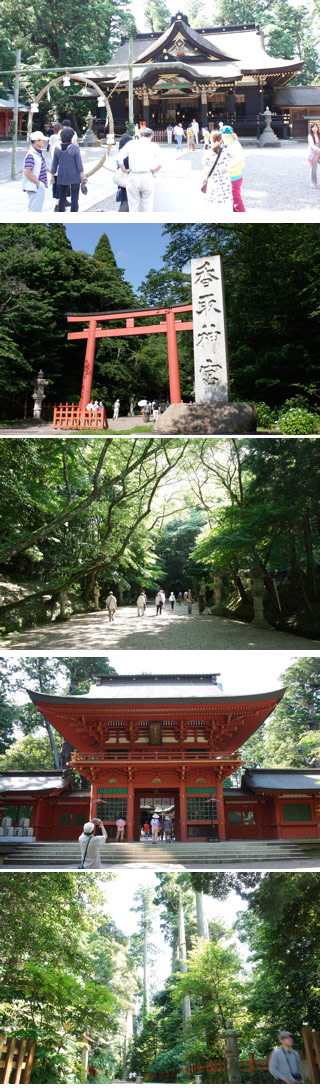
[(91, 844), (67, 168)]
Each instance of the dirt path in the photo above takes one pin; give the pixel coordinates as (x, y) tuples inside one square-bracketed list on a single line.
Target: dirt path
[(177, 631)]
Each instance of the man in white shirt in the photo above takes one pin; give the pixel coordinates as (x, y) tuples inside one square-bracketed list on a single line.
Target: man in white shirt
[(91, 844), (195, 129), (144, 163)]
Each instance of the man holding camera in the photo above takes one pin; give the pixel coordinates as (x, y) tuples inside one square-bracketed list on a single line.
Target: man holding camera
[(91, 844)]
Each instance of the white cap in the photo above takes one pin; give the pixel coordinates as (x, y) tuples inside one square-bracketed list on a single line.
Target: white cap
[(37, 136), (88, 828)]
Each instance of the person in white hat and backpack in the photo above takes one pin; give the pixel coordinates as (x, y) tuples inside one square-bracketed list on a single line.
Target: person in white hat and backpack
[(34, 172)]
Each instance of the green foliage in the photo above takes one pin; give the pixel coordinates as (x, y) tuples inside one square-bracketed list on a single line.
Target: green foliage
[(298, 422), (272, 305), (291, 736), (43, 280), (33, 752), (282, 929), (157, 14), (63, 34), (64, 972)]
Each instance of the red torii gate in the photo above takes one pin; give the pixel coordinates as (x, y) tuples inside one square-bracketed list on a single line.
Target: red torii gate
[(169, 324)]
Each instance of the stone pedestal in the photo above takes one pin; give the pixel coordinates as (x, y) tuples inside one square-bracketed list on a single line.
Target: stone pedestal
[(232, 1055), (268, 138), (258, 590), (217, 593), (224, 419)]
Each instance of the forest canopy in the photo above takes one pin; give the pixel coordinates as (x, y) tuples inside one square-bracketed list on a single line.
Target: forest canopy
[(80, 981), (82, 517)]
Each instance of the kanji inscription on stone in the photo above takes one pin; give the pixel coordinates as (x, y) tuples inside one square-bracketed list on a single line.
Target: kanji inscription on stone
[(209, 331)]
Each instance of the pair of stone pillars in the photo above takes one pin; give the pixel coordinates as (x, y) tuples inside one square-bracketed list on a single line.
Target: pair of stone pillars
[(256, 586)]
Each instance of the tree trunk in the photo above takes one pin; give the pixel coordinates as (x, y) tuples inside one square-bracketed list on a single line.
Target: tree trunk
[(202, 924), (183, 959)]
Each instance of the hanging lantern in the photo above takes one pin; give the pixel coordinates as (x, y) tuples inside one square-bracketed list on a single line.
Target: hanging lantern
[(66, 81), (34, 107), (101, 100)]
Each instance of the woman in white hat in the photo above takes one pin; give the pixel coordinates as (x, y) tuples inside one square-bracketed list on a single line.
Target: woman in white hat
[(34, 172), (91, 844)]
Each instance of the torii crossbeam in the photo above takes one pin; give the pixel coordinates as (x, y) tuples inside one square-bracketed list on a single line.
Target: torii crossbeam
[(169, 324)]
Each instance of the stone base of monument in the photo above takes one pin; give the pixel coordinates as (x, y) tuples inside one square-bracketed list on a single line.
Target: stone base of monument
[(269, 139), (224, 419)]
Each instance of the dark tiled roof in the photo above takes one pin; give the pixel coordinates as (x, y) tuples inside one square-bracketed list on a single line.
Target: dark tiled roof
[(281, 780)]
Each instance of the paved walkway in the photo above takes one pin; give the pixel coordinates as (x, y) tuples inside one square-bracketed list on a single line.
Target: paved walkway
[(45, 428), (178, 631), (276, 180)]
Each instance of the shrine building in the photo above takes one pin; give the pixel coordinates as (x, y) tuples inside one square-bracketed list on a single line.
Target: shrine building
[(211, 74), (160, 742)]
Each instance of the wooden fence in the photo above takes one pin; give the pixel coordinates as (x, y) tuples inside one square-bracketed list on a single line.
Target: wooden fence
[(69, 416), (16, 1060)]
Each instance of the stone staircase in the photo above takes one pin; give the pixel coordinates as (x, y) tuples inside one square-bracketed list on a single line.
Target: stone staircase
[(189, 856)]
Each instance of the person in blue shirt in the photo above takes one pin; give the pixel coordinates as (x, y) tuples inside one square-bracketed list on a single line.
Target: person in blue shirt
[(67, 166)]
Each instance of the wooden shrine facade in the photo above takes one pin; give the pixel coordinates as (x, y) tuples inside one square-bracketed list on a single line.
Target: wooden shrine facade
[(212, 73), (157, 742)]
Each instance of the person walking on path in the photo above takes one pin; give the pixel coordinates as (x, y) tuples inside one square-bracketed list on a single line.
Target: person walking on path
[(189, 601), (121, 826), (34, 172), (160, 600), (178, 133), (116, 409), (314, 151), (141, 604), (284, 1063), (195, 130), (236, 166), (121, 195), (217, 182), (67, 167), (144, 163), (91, 844), (167, 828), (111, 605), (155, 827), (172, 600)]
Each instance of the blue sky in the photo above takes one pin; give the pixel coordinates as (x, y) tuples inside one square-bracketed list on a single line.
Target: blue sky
[(137, 247)]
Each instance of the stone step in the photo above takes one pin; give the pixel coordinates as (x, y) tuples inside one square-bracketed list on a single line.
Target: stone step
[(192, 855)]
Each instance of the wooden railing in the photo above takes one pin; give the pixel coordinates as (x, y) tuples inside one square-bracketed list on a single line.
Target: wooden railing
[(151, 755), (68, 415), (16, 1060)]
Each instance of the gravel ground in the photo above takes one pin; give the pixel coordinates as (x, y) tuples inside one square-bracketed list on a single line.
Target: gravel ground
[(275, 179), (176, 631)]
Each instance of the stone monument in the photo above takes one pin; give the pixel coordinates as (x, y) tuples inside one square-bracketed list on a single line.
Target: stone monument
[(212, 412), (268, 138), (39, 394), (89, 137)]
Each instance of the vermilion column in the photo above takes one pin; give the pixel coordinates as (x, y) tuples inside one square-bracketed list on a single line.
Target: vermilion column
[(130, 813), (173, 359), (93, 801), (221, 813), (88, 365), (183, 813)]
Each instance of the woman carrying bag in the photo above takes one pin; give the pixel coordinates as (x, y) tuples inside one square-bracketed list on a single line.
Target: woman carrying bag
[(67, 167), (217, 183)]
